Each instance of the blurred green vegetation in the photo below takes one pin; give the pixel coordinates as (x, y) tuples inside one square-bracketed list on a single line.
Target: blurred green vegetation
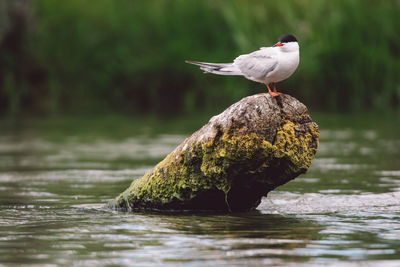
[(80, 56)]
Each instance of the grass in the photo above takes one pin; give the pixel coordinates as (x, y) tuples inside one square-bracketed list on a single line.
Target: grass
[(128, 56)]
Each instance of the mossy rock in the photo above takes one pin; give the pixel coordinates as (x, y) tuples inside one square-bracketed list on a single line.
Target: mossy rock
[(239, 156)]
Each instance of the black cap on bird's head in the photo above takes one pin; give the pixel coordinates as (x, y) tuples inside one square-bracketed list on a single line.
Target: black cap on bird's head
[(287, 38)]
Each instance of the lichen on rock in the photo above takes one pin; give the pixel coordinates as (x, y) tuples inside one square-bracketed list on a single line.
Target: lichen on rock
[(240, 155)]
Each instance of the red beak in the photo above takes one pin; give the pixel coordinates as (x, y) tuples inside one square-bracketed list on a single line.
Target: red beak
[(278, 44)]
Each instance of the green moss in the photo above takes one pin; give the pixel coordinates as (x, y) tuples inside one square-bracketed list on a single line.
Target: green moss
[(298, 149), (220, 164)]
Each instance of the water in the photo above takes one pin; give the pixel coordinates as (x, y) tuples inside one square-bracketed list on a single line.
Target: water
[(56, 177)]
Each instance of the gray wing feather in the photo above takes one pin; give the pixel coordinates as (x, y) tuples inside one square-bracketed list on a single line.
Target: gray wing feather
[(257, 64), (217, 68)]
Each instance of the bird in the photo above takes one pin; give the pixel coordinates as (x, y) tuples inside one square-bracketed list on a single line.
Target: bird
[(266, 65)]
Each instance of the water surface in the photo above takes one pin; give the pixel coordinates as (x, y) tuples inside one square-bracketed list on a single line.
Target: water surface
[(57, 175)]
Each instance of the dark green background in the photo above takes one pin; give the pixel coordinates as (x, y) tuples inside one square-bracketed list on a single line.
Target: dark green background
[(127, 57)]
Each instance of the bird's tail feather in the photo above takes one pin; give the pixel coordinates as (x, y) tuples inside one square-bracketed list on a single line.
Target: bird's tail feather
[(217, 68)]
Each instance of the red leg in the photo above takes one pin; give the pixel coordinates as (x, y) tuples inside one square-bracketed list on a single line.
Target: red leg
[(275, 89), (270, 92)]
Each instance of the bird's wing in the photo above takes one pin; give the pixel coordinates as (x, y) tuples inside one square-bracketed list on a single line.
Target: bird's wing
[(217, 68), (257, 64)]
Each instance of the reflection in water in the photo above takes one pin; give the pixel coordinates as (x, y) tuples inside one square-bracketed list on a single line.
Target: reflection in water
[(90, 230), (53, 195)]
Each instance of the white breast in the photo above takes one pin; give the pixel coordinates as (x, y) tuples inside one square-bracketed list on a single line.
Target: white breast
[(287, 64)]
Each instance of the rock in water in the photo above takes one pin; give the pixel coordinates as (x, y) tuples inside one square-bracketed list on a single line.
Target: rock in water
[(240, 155)]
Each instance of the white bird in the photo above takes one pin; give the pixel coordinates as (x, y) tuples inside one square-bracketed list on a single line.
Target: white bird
[(266, 65)]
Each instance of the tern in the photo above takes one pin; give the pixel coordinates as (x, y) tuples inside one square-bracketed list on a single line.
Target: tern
[(266, 65)]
